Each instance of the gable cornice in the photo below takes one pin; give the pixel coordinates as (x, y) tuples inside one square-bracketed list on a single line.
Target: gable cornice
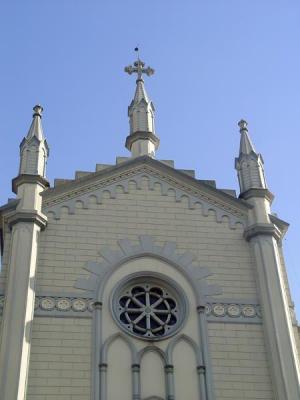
[(156, 172)]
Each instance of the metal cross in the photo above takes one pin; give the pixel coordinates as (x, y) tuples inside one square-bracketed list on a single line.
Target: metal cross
[(138, 68)]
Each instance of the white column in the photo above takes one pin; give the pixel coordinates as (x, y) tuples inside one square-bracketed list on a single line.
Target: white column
[(18, 311), (136, 382), (97, 338), (169, 370), (143, 148), (205, 356), (103, 381)]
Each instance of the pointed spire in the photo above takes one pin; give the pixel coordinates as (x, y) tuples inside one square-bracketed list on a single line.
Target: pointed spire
[(34, 148), (246, 146), (140, 92), (249, 164), (142, 139), (36, 129)]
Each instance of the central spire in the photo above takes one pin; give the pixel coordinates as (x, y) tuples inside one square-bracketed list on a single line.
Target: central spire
[(142, 139)]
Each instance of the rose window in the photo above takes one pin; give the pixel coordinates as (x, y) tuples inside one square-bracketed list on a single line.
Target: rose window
[(148, 309)]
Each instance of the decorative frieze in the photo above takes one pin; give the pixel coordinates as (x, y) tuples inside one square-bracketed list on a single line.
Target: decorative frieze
[(233, 312), (66, 306), (70, 305), (196, 196)]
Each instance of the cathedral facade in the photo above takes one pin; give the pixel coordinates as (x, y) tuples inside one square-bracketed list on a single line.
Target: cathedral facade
[(140, 282)]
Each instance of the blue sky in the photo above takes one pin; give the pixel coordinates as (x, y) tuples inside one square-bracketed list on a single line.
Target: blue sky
[(216, 62)]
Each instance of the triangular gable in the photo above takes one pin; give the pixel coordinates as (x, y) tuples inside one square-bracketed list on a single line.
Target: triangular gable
[(108, 180)]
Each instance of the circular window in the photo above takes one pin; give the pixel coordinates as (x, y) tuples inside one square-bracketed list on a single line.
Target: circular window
[(149, 308)]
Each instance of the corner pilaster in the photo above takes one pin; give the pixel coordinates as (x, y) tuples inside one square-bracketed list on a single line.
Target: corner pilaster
[(265, 237), (26, 223), (18, 310), (280, 339)]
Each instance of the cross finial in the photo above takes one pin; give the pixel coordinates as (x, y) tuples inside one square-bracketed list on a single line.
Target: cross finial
[(139, 68)]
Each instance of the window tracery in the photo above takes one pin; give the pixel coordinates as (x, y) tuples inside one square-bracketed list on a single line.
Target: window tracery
[(149, 308)]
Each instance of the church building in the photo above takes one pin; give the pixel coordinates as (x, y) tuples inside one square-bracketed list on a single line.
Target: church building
[(138, 281)]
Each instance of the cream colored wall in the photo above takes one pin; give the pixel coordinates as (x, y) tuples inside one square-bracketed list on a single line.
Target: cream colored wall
[(60, 359), (152, 376), (239, 361), (57, 370), (70, 242), (119, 381), (185, 373)]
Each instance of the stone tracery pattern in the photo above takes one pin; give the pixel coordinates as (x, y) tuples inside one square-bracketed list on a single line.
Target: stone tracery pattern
[(148, 310)]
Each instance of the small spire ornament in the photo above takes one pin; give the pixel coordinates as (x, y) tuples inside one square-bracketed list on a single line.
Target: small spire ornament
[(139, 68), (142, 139)]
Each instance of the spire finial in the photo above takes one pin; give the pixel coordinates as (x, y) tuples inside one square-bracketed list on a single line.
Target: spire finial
[(38, 110), (137, 50), (139, 67), (246, 146), (142, 139), (243, 125)]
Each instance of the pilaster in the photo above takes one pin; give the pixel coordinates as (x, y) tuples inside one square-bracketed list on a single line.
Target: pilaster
[(280, 339), (265, 232), (265, 237), (18, 310), (25, 222)]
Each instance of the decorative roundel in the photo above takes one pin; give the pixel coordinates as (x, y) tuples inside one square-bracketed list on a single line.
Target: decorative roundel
[(219, 310), (63, 304), (47, 303), (233, 310), (249, 311), (79, 305), (149, 308)]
